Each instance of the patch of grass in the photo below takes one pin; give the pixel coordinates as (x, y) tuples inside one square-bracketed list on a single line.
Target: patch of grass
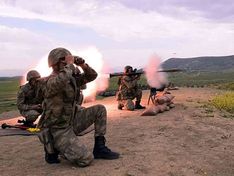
[(226, 86), (208, 109), (203, 79), (8, 93), (221, 80), (224, 102)]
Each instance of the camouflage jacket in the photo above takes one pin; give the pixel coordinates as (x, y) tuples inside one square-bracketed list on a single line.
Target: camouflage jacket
[(28, 96), (61, 92), (127, 87)]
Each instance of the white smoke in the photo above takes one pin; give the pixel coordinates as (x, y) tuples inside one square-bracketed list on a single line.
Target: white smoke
[(94, 58), (154, 78)]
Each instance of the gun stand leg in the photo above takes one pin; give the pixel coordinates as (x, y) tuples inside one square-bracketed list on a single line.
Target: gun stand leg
[(152, 98), (152, 95)]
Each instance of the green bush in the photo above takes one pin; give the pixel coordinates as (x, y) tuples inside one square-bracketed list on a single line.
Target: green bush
[(224, 102), (227, 86)]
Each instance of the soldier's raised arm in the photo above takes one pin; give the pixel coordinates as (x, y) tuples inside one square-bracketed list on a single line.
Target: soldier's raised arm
[(56, 82), (89, 73)]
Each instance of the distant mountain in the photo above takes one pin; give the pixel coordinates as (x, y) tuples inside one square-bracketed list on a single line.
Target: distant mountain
[(10, 78), (219, 63), (11, 72)]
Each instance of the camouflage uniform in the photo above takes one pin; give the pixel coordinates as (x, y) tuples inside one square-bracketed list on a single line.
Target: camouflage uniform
[(27, 97), (66, 119), (128, 90)]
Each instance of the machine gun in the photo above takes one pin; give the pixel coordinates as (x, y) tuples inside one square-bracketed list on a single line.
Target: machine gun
[(140, 71)]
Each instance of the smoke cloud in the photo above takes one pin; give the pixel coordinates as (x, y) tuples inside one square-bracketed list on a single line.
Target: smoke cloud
[(92, 57), (154, 78)]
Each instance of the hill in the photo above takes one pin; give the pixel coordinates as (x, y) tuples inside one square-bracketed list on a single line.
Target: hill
[(209, 64), (11, 72)]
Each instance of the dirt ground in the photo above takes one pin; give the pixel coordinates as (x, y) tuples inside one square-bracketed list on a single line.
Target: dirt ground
[(191, 139)]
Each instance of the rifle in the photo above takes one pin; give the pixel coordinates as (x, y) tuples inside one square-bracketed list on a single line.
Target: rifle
[(139, 72)]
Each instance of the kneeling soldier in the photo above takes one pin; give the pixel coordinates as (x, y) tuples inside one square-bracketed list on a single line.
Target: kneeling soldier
[(28, 99), (64, 119)]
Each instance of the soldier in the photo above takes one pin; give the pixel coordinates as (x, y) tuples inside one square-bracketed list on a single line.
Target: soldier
[(129, 90), (63, 117), (29, 99)]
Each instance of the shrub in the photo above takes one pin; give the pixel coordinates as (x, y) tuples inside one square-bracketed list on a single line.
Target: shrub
[(224, 102)]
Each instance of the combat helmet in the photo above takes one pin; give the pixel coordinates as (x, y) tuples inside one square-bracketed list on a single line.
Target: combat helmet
[(33, 74), (57, 54), (127, 68)]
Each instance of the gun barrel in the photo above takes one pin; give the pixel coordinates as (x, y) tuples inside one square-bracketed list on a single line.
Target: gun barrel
[(129, 74), (116, 74), (142, 72)]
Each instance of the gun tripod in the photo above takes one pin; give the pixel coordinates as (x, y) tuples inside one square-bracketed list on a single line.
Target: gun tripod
[(152, 95)]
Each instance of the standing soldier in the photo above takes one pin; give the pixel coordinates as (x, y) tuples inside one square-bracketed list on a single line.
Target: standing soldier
[(63, 117), (29, 100), (129, 90)]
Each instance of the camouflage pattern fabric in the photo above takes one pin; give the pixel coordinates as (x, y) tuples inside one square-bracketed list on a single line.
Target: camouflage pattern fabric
[(56, 54), (61, 93), (31, 115), (67, 142), (27, 97), (128, 90), (32, 74), (128, 104), (64, 117), (85, 117)]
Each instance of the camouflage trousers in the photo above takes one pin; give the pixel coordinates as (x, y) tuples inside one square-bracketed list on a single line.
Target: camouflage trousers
[(67, 142), (128, 102), (30, 115)]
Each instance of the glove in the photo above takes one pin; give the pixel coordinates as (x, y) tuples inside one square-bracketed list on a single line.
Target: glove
[(78, 60)]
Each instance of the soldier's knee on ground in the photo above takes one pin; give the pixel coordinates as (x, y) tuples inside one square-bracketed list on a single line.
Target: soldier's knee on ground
[(85, 162), (130, 105), (78, 154)]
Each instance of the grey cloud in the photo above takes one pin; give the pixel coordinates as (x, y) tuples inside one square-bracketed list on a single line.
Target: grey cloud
[(211, 9), (21, 48)]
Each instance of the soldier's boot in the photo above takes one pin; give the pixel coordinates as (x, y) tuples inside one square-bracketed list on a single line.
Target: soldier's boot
[(120, 106), (52, 158), (101, 151), (27, 123), (30, 124), (138, 105)]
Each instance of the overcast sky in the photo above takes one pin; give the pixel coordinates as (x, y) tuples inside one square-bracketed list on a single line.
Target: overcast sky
[(124, 31)]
